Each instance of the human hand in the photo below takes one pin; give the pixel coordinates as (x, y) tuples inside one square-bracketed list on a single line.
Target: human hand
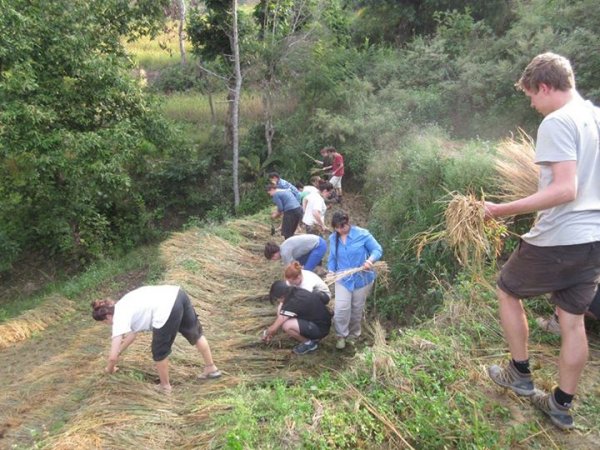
[(368, 265), (492, 210), (111, 369), (266, 336)]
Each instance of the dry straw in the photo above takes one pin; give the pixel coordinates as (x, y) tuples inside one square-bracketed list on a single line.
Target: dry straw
[(516, 172), (380, 267), (472, 237)]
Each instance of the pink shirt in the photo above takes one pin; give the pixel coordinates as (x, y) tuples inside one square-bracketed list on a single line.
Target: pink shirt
[(337, 166)]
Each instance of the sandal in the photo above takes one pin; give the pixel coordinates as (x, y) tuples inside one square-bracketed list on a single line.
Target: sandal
[(210, 376)]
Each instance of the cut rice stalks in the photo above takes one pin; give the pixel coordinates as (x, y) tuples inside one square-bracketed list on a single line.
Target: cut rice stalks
[(517, 174), (380, 267), (473, 238)]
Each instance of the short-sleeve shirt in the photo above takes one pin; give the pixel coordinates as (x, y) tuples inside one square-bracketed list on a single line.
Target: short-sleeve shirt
[(285, 200), (337, 167), (295, 247), (301, 304), (570, 133), (314, 202), (143, 309), (312, 282)]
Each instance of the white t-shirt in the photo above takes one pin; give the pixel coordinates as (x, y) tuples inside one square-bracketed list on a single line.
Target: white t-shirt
[(311, 280), (314, 202), (570, 133), (143, 309)]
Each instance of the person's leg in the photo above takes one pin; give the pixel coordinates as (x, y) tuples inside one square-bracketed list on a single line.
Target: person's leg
[(162, 367), (573, 350), (359, 298), (204, 349), (292, 329), (316, 255), (287, 225), (514, 324), (341, 317)]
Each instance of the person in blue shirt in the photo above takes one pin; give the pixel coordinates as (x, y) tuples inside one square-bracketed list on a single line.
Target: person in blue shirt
[(351, 247), (280, 183), (288, 205)]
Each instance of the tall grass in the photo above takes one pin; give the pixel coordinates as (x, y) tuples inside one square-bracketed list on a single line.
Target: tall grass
[(159, 52)]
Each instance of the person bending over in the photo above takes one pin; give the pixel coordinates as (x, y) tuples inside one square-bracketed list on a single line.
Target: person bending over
[(165, 310), (304, 279), (302, 316), (307, 249)]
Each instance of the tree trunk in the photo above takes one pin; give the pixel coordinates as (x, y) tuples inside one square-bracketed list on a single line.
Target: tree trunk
[(236, 108), (267, 98), (181, 13)]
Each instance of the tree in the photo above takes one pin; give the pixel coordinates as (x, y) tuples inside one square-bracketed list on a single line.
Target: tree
[(72, 124), (236, 106)]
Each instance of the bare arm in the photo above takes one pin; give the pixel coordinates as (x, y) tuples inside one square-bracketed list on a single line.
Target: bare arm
[(113, 356), (127, 341), (562, 189)]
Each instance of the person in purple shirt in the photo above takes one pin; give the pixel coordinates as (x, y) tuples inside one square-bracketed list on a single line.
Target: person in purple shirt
[(351, 247), (280, 183), (288, 206)]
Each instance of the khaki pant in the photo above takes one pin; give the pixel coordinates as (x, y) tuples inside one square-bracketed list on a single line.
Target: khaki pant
[(349, 308)]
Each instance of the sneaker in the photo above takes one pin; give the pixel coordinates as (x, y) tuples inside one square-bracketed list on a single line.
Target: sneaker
[(305, 347), (340, 343), (549, 324), (352, 340), (510, 377), (559, 415)]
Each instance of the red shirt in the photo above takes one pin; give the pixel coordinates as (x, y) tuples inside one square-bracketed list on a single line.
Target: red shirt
[(337, 166)]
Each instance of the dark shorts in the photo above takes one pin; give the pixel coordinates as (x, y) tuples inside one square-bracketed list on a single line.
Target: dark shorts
[(183, 319), (569, 272), (311, 330), (290, 222)]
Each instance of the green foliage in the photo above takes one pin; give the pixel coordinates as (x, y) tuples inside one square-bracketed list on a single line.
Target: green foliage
[(73, 125), (408, 184)]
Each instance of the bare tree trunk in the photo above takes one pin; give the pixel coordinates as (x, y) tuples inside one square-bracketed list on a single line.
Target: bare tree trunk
[(236, 108), (267, 98), (181, 13)]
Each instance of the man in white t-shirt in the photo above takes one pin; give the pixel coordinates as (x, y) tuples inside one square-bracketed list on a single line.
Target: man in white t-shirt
[(561, 253), (164, 310)]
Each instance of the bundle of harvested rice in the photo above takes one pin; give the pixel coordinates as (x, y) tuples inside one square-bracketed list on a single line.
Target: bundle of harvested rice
[(380, 267), (472, 237), (517, 174)]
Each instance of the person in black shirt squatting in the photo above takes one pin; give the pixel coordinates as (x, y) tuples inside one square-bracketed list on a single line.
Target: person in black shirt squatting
[(302, 315)]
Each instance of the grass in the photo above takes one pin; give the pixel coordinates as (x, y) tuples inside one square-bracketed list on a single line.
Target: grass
[(157, 53)]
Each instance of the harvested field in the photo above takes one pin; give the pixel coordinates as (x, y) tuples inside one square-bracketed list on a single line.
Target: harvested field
[(55, 392)]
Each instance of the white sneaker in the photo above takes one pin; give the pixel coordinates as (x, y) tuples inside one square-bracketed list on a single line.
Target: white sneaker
[(341, 343)]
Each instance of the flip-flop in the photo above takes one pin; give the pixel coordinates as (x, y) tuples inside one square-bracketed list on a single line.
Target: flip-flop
[(210, 376)]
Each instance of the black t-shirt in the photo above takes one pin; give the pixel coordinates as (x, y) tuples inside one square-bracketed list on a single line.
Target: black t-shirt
[(302, 304)]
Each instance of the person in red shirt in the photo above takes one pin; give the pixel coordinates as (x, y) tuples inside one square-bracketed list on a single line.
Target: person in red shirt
[(337, 170)]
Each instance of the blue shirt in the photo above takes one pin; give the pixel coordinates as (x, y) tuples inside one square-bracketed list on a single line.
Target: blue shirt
[(285, 201), (360, 245), (282, 184)]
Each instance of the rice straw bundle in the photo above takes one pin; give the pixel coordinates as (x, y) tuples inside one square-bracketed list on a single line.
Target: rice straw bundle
[(380, 267), (467, 232), (517, 174)]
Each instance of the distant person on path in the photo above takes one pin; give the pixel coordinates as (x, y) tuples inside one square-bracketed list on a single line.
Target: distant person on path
[(280, 183), (306, 190), (288, 205), (552, 325), (315, 209), (337, 171), (307, 249), (305, 279), (164, 310), (327, 161), (301, 314), (561, 253), (351, 247)]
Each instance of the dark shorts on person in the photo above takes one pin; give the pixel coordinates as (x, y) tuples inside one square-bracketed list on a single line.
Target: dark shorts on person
[(311, 330), (183, 319), (595, 306), (290, 222), (569, 272)]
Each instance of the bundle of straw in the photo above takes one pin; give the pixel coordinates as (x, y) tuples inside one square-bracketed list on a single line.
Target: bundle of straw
[(467, 232), (380, 267), (517, 174)]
